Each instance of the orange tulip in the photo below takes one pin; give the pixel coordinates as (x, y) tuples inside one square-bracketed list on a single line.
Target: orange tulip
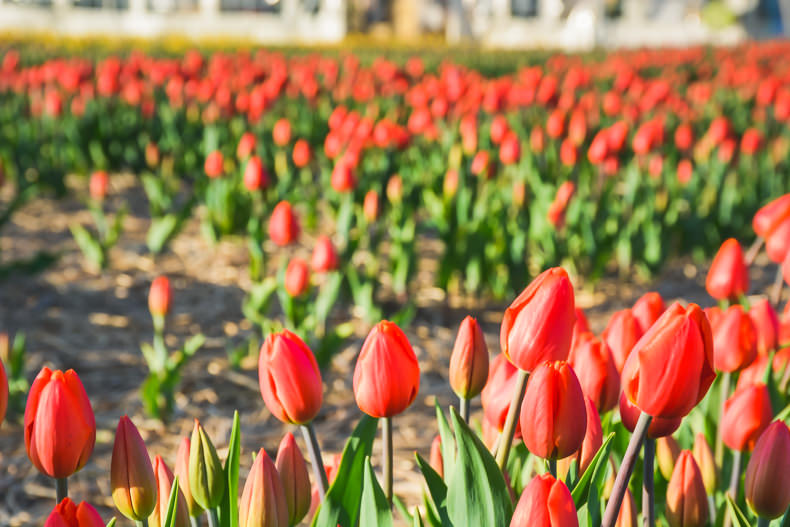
[(687, 502), (594, 366), (469, 360), (263, 498), (545, 502), (728, 276), (160, 296), (164, 486), (134, 485), (182, 471), (621, 334), (747, 413)]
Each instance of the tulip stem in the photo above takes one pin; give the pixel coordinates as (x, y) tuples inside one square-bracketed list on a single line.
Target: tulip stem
[(506, 439), (753, 251), (319, 473), (61, 489), (726, 381), (386, 433), (763, 522), (464, 409), (142, 523), (626, 469), (648, 490), (194, 522), (213, 518), (553, 467), (735, 479), (776, 293)]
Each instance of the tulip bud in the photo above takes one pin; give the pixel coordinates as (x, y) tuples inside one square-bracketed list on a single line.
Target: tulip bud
[(297, 277), (342, 179), (670, 369), (647, 310), (152, 155), (3, 392), (771, 215), (324, 255), (160, 296), (99, 183), (182, 471), (289, 378), (687, 503), (582, 325), (728, 277), (450, 186), (283, 224), (60, 429), (255, 176), (667, 453), (659, 427), (621, 334), (69, 514), (777, 242), (263, 498), (387, 375), (553, 414), (594, 366), (296, 483), (164, 486), (302, 153), (214, 164), (498, 392), (734, 340), (437, 461), (370, 207), (747, 413), (395, 189), (545, 502), (767, 481), (766, 324), (593, 438), (246, 146), (281, 133), (538, 325), (703, 455), (206, 477), (627, 517), (469, 360), (131, 474)]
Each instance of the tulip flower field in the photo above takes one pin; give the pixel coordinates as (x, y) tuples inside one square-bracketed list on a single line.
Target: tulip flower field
[(249, 288)]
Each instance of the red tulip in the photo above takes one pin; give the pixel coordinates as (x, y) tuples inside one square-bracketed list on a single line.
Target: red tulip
[(255, 176), (510, 150), (647, 310), (69, 514), (777, 242), (214, 164), (734, 340), (771, 215), (786, 268), (766, 325), (60, 430), (728, 277), (747, 413), (469, 360), (670, 369), (582, 325), (281, 133), (684, 136), (301, 153), (289, 378), (132, 477), (553, 415), (3, 392), (324, 257), (262, 501), (160, 296), (246, 146), (283, 224), (297, 277), (593, 438), (387, 375), (751, 141), (292, 469), (594, 365), (499, 129), (621, 334), (687, 502), (343, 179), (538, 325), (659, 427), (767, 481), (164, 486), (568, 153), (498, 392), (685, 171), (545, 502), (99, 184)]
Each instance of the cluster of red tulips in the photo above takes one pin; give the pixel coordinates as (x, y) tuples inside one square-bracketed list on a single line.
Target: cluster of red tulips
[(697, 397)]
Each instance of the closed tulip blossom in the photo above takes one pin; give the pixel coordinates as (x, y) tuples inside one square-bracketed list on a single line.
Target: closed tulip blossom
[(593, 438), (594, 366), (777, 242), (538, 325), (324, 258), (99, 185), (214, 164), (728, 276), (766, 325), (659, 427), (255, 176), (134, 485), (703, 455), (498, 392), (263, 498), (553, 414), (647, 310), (289, 378), (160, 296), (292, 469), (60, 429), (206, 477), (436, 460), (734, 340), (670, 369), (621, 334), (283, 224), (582, 325), (297, 277), (469, 360), (747, 413), (628, 512), (767, 481), (246, 146), (69, 514), (164, 486), (771, 215), (687, 502), (667, 454), (182, 471), (545, 502)]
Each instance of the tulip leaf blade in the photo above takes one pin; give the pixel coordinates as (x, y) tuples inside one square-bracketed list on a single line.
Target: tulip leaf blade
[(786, 518), (436, 488), (229, 508), (374, 508), (112, 522), (737, 515), (341, 504), (447, 442), (594, 474), (477, 493), (172, 506)]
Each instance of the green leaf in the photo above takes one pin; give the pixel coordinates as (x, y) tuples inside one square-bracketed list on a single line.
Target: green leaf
[(476, 492), (436, 488), (229, 507), (447, 442), (341, 504), (738, 517), (161, 231), (91, 248), (111, 523), (417, 519), (327, 297), (594, 473), (194, 343), (401, 507), (172, 506), (374, 508), (786, 519)]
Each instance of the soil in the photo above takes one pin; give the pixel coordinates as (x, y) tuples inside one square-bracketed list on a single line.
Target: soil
[(75, 317)]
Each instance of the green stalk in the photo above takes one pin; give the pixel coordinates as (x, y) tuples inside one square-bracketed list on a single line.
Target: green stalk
[(506, 439), (317, 462), (386, 433), (142, 523), (464, 408), (735, 479), (61, 489), (553, 467), (648, 489), (213, 518), (726, 382), (763, 522), (194, 521)]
